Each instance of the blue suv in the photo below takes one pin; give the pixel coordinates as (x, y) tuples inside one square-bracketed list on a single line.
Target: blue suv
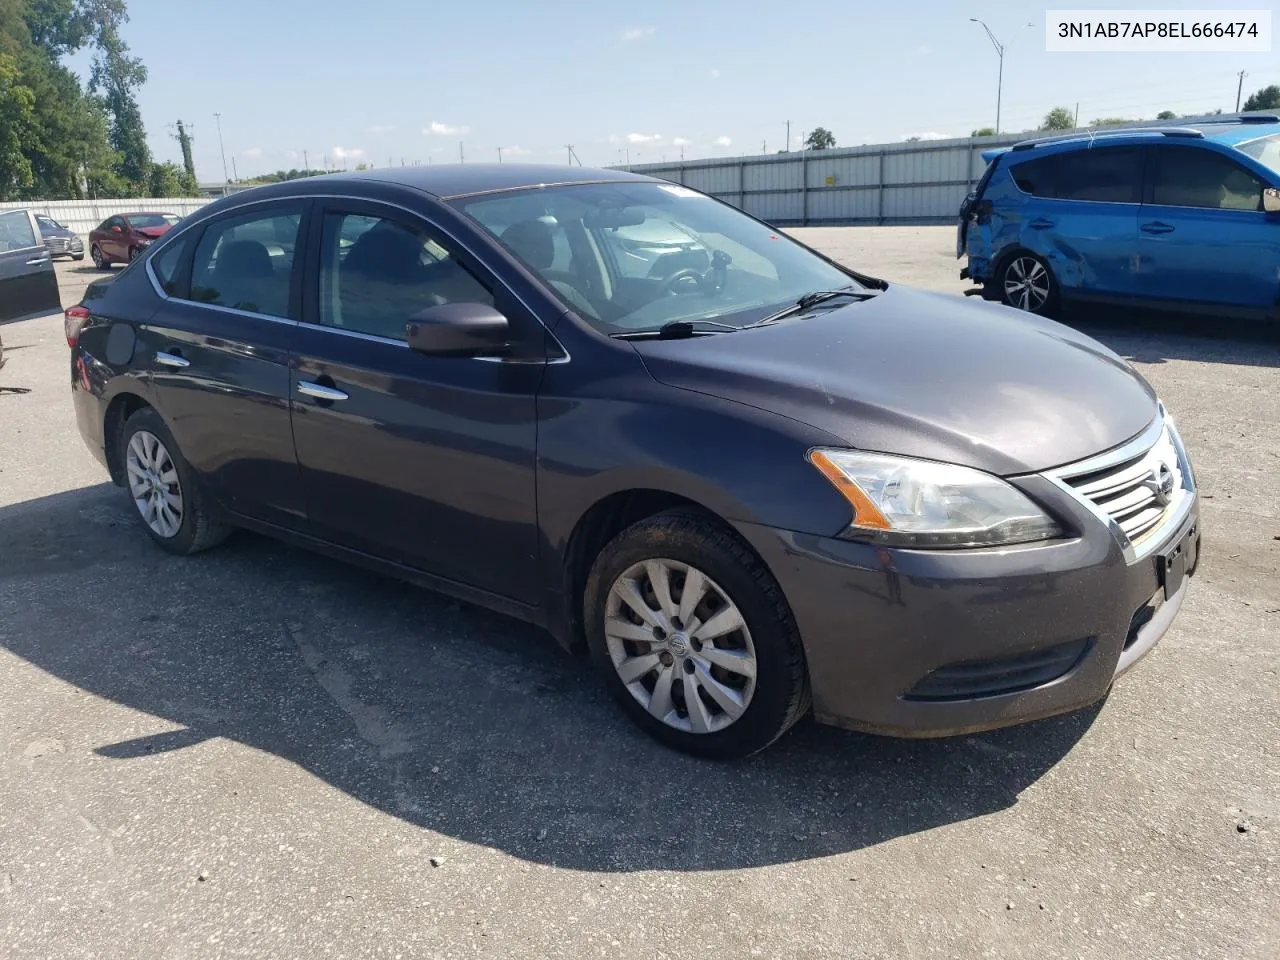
[(1184, 218)]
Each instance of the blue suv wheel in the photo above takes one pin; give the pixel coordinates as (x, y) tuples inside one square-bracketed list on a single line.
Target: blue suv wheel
[(1027, 283)]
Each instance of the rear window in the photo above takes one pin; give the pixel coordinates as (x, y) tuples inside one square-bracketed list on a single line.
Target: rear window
[(1108, 175)]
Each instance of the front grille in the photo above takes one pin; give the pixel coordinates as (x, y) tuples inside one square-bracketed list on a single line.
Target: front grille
[(990, 678), (57, 244), (1139, 492)]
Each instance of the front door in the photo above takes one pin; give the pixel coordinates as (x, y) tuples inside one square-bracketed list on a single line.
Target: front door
[(217, 355), (426, 461), (1203, 234), (28, 284)]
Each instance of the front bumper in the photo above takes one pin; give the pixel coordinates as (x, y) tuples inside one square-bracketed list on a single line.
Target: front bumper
[(936, 643)]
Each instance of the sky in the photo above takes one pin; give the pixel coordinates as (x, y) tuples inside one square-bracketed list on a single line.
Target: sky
[(408, 81)]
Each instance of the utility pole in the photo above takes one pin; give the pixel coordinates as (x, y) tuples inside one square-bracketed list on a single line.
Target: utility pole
[(461, 157), (499, 154), (682, 153), (573, 156), (764, 146), (234, 171), (306, 164), (1000, 76), (1075, 121), (787, 146), (1240, 88), (184, 141), (221, 148)]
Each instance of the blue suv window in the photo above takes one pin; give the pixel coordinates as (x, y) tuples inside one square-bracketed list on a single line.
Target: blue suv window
[(1101, 175), (1195, 177)]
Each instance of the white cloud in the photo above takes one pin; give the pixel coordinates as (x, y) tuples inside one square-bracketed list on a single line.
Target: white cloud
[(681, 142), (347, 153), (381, 128), (291, 154), (715, 73), (723, 142), (927, 135), (438, 129), (644, 138), (253, 153), (631, 34), (516, 151)]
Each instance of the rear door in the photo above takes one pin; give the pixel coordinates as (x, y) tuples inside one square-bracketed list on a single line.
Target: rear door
[(217, 354), (28, 284), (1204, 237), (1084, 220)]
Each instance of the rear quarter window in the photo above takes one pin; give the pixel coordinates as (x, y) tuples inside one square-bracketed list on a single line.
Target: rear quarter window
[(1099, 175)]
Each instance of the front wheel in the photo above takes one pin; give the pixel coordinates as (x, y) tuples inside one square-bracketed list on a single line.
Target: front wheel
[(163, 488), (77, 257), (1027, 283), (694, 639), (99, 261)]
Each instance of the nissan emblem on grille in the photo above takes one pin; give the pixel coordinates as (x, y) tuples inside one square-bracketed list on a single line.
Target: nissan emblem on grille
[(1160, 483)]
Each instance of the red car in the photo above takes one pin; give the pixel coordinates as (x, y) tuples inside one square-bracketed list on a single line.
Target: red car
[(118, 239)]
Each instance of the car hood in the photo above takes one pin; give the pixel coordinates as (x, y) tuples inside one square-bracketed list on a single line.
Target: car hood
[(925, 375), (152, 232)]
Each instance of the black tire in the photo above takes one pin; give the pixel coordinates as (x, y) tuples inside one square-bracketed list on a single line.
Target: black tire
[(133, 252), (77, 257), (99, 260), (198, 529), (781, 695), (1026, 282)]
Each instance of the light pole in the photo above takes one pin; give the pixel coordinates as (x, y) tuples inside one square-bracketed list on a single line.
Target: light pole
[(221, 148), (1000, 77)]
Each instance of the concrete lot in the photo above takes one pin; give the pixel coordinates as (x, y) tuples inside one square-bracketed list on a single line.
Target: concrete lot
[(261, 753)]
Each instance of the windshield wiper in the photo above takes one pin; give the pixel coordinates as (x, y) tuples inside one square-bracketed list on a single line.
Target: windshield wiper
[(811, 300), (675, 330)]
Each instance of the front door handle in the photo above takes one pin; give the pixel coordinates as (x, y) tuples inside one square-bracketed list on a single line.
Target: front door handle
[(320, 391), (44, 259), (171, 360), (1157, 227)]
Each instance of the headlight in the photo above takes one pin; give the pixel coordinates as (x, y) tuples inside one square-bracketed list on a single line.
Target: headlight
[(919, 503)]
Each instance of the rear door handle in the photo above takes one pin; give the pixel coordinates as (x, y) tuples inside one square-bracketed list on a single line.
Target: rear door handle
[(320, 391), (171, 360), (1157, 227), (1040, 223)]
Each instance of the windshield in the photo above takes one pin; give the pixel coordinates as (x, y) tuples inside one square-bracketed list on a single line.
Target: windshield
[(47, 224), (1266, 150), (636, 256), (144, 221)]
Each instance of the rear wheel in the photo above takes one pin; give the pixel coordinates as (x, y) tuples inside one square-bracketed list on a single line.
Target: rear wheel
[(1027, 283), (163, 489), (694, 639), (99, 261)]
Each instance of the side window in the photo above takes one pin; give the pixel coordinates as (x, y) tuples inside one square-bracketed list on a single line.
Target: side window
[(1103, 175), (246, 261), (167, 265), (15, 231), (1193, 177), (1035, 176), (376, 273)]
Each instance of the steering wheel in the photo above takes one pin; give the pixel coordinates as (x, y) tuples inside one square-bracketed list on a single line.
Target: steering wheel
[(678, 283)]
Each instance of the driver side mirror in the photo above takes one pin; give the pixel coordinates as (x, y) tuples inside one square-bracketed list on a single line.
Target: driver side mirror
[(458, 330), (115, 228), (1271, 200)]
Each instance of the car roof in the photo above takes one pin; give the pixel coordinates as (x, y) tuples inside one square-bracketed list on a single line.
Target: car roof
[(453, 180), (1230, 132)]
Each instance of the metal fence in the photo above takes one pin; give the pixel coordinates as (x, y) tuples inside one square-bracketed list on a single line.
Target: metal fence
[(83, 215), (919, 182)]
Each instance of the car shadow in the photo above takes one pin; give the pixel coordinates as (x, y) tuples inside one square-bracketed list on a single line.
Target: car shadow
[(444, 715), (1150, 336)]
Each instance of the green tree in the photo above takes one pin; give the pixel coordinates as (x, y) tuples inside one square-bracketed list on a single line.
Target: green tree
[(58, 27), (820, 138), (1268, 98), (1166, 115), (1059, 118), (171, 180), (1110, 122), (115, 77), (17, 115), (984, 132)]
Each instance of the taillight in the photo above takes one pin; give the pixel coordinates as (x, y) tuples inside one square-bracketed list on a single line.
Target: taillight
[(73, 321)]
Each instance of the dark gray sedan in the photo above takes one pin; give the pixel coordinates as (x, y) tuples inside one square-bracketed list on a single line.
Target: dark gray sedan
[(752, 482)]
